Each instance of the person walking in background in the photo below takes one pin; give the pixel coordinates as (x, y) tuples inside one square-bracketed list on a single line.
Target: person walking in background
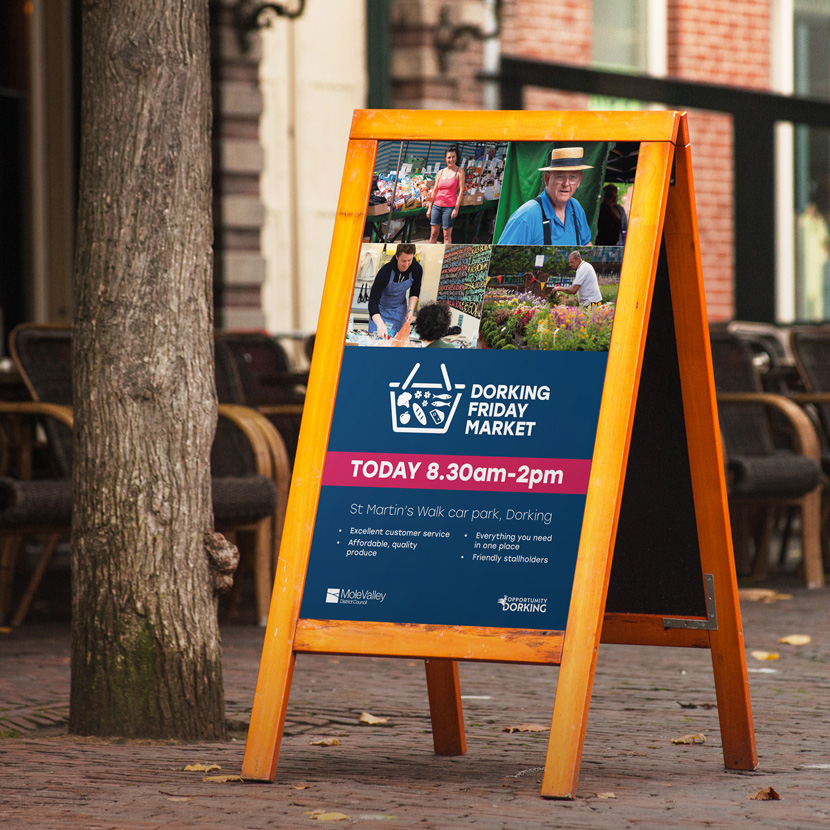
[(445, 199), (619, 209), (813, 255), (609, 224)]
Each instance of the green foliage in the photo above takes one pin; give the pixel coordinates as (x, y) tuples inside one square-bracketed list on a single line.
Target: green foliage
[(589, 339), (609, 292)]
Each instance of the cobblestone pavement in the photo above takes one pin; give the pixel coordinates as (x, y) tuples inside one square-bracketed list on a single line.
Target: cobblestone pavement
[(632, 776)]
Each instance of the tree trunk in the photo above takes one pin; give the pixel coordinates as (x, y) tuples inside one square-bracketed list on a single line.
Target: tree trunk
[(146, 659)]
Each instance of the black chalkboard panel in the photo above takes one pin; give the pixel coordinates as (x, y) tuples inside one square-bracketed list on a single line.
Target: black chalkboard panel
[(656, 566)]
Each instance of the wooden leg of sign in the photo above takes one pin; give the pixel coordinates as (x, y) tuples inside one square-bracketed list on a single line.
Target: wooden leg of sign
[(570, 718), (706, 464), (445, 711), (734, 709), (593, 565), (277, 665), (268, 716), (728, 653)]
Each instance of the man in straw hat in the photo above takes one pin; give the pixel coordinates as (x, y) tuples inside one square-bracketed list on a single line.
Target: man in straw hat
[(553, 217)]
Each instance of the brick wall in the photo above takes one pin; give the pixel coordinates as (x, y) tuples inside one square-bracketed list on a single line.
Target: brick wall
[(720, 41), (418, 79), (717, 41), (544, 29), (239, 268), (712, 165), (551, 30)]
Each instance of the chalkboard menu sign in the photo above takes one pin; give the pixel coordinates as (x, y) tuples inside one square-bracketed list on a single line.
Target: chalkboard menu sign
[(464, 277)]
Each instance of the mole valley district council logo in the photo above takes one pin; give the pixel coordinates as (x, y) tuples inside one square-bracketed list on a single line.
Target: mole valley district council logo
[(353, 596)]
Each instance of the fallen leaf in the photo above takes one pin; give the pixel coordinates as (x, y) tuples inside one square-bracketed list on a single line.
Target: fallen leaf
[(371, 720), (224, 779), (765, 595), (323, 815), (765, 794), (326, 742), (527, 772), (764, 655), (201, 794), (526, 727), (377, 817), (606, 795), (301, 787), (755, 594), (690, 739), (796, 639), (202, 767)]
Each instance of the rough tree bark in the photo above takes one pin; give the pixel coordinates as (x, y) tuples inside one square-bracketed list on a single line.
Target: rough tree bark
[(146, 658)]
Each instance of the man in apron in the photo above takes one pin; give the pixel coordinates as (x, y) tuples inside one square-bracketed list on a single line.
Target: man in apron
[(389, 308)]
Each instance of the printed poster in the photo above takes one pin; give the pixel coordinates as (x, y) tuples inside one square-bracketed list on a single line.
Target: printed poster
[(454, 487)]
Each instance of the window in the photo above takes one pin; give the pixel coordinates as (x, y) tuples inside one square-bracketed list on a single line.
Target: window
[(811, 58), (620, 35), (629, 36)]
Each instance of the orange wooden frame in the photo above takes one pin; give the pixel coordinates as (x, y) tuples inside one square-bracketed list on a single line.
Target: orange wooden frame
[(659, 212)]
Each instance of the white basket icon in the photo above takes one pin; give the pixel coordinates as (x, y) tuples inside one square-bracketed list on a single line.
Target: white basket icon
[(424, 407)]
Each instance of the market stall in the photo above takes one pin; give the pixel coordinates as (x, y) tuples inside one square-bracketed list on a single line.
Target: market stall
[(403, 180)]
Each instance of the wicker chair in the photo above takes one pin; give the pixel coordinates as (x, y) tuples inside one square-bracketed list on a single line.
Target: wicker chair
[(761, 476), (249, 466), (811, 348), (29, 506), (252, 368)]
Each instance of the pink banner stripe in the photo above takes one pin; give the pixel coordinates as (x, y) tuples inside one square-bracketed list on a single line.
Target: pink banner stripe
[(457, 472)]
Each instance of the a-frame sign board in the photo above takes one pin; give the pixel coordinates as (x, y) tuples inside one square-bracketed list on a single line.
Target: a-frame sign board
[(653, 562)]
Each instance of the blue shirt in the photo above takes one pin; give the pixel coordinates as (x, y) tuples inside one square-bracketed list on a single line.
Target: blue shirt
[(524, 227)]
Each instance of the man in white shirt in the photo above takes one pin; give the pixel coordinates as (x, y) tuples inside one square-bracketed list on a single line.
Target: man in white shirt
[(585, 284)]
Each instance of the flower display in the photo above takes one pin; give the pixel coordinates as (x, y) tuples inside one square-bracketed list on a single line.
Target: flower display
[(525, 321)]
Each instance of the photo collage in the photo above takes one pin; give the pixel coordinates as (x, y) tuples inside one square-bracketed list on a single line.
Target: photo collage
[(511, 247)]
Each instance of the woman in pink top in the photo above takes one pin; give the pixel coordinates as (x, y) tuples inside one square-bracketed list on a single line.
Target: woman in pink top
[(443, 204)]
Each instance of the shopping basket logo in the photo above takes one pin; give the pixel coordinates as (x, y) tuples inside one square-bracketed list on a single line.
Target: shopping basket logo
[(424, 407)]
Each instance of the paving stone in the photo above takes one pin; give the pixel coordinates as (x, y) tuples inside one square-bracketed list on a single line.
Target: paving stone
[(643, 697)]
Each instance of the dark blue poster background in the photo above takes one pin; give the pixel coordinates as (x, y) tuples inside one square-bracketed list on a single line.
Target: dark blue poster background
[(410, 540)]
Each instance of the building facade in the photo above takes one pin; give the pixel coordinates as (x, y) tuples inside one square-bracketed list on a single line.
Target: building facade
[(283, 98), (766, 45)]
